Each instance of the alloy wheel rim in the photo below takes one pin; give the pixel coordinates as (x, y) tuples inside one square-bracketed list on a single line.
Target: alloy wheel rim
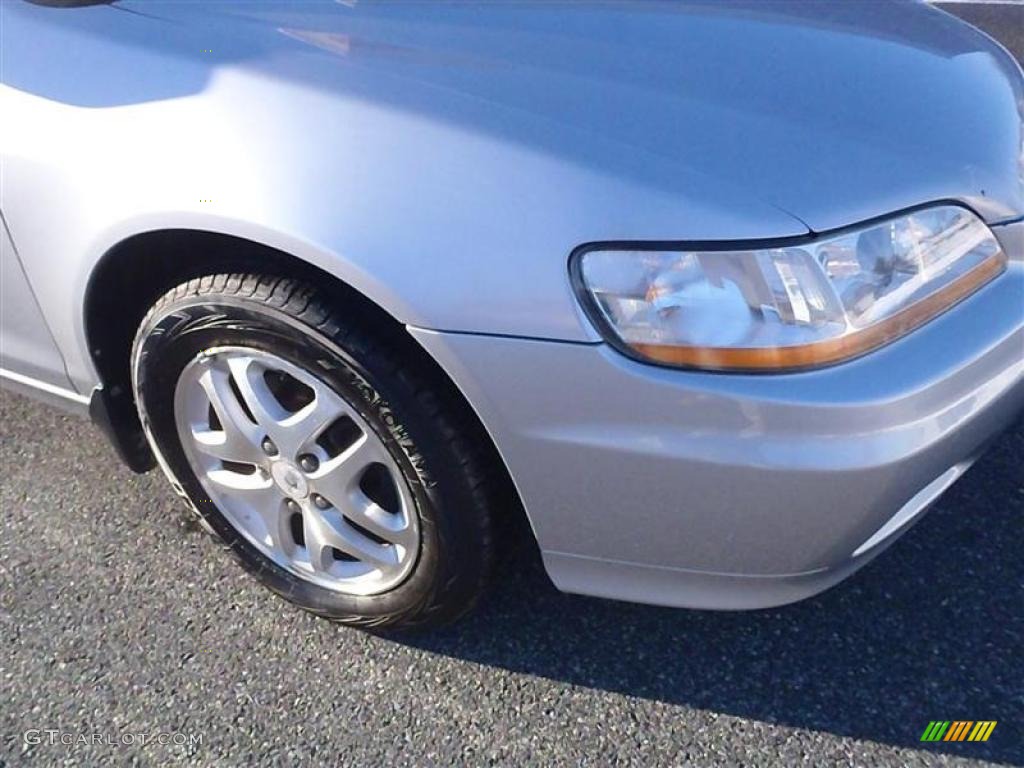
[(296, 470)]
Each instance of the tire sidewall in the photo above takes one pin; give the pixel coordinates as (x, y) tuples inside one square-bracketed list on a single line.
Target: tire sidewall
[(175, 334)]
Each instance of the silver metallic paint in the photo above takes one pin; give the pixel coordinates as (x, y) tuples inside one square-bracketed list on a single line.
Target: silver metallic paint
[(26, 346), (445, 163), (481, 142), (703, 475)]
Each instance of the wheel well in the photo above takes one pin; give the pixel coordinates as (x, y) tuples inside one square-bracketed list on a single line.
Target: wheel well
[(133, 274), (136, 272)]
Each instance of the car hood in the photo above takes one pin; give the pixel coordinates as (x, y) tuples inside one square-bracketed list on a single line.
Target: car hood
[(832, 112)]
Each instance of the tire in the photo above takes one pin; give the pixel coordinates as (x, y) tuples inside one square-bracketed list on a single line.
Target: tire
[(438, 471)]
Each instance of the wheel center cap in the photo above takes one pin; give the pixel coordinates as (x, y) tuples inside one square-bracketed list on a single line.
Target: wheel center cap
[(289, 479)]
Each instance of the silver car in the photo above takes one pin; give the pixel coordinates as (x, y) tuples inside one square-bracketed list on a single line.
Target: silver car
[(721, 296)]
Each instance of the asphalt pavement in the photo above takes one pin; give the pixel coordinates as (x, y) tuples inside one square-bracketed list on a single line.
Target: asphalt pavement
[(122, 624)]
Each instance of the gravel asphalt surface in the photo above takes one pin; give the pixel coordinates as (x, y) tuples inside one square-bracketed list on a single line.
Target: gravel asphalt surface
[(119, 618)]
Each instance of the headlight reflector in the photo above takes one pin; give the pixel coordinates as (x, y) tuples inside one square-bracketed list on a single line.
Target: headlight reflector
[(793, 306)]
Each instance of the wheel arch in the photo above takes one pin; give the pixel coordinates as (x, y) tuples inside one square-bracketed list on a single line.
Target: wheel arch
[(133, 273), (130, 277)]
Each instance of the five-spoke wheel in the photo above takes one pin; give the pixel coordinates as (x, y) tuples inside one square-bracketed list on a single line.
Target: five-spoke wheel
[(296, 469), (321, 445)]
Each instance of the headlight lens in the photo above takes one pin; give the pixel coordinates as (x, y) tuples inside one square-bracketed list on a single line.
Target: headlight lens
[(793, 306)]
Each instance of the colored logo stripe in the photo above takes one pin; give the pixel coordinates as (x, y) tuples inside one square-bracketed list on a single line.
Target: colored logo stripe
[(958, 730), (982, 730)]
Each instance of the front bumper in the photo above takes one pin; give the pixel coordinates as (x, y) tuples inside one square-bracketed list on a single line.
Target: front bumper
[(739, 491)]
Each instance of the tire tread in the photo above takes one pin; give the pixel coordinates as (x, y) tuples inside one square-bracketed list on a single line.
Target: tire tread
[(449, 598)]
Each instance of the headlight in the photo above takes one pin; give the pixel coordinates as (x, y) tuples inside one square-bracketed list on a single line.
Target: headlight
[(792, 306)]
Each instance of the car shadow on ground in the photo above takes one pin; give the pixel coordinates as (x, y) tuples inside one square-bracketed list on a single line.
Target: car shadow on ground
[(932, 630)]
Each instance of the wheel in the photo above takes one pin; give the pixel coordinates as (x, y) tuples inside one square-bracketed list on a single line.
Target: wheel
[(342, 476)]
